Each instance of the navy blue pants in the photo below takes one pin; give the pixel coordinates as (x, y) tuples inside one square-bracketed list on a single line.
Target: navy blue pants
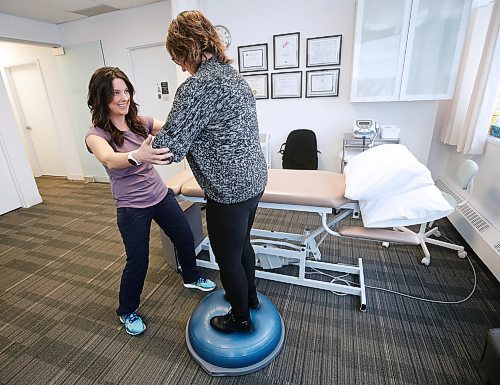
[(228, 227), (135, 227)]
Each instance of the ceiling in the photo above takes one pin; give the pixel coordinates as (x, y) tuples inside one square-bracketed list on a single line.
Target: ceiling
[(61, 11)]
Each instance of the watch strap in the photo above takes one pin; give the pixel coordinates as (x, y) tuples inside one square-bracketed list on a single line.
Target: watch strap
[(132, 160)]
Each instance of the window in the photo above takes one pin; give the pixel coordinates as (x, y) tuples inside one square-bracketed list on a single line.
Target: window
[(495, 120)]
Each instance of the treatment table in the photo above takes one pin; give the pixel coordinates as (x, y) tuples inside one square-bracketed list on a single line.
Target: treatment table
[(311, 191)]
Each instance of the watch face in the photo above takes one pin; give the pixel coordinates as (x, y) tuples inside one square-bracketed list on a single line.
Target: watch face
[(224, 34)]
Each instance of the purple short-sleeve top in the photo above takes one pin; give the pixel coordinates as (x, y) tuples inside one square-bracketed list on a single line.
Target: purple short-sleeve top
[(134, 186)]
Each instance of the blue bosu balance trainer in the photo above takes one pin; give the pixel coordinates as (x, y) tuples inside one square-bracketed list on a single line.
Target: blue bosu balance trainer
[(234, 354)]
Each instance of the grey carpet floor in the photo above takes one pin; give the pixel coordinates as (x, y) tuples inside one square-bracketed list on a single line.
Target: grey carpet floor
[(60, 266)]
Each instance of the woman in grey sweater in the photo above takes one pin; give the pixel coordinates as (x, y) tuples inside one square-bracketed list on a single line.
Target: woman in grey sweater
[(213, 122)]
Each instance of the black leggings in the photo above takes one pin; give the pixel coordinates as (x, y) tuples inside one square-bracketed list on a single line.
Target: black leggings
[(228, 227)]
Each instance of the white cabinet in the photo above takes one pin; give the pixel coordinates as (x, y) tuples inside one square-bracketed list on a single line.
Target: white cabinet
[(407, 49)]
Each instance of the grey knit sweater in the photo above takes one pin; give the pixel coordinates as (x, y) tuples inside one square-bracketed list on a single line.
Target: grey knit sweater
[(213, 122)]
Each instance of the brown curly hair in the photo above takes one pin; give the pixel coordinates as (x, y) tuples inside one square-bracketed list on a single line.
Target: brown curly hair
[(190, 35), (101, 94)]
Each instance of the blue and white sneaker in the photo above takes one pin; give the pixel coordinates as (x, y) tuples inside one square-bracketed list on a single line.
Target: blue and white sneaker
[(134, 325), (202, 283)]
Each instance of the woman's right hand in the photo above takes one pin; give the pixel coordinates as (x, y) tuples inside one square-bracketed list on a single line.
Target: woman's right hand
[(148, 154)]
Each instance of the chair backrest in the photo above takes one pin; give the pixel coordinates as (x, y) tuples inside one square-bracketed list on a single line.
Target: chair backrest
[(466, 173), (300, 151)]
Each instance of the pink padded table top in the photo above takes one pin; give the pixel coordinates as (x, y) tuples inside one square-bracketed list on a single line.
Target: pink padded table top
[(296, 187)]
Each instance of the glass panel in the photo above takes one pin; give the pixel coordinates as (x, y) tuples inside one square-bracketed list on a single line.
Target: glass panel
[(436, 27), (76, 67), (381, 47)]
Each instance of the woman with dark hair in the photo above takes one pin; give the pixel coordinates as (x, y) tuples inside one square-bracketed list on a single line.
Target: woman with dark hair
[(213, 122), (121, 141)]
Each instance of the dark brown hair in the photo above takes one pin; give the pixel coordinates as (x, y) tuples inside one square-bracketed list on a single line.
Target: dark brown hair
[(190, 35), (101, 93)]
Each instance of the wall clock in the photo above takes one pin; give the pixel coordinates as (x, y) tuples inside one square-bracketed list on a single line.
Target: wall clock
[(224, 34)]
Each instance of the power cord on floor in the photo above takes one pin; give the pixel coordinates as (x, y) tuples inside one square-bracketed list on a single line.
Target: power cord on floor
[(334, 278), (340, 278)]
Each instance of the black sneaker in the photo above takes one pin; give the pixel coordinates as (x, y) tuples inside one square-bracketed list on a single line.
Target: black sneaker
[(253, 301), (230, 322)]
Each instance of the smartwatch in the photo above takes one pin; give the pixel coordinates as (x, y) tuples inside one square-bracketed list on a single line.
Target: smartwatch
[(132, 160)]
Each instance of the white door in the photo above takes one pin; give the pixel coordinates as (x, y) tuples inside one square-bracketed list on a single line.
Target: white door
[(35, 118), (151, 66), (10, 198)]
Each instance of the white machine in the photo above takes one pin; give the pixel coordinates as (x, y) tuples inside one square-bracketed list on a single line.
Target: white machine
[(365, 128)]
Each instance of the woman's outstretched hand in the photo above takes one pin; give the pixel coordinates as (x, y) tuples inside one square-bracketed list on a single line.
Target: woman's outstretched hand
[(148, 154)]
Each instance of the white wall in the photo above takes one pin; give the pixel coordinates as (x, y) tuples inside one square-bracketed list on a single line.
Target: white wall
[(444, 159), (329, 117), (121, 30), (15, 151), (249, 24), (20, 29)]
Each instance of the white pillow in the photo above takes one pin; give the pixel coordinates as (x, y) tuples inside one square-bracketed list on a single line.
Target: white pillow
[(384, 170), (410, 208)]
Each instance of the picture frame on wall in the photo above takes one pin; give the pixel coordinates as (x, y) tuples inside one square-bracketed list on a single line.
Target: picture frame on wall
[(286, 49), (286, 85), (252, 58), (323, 51), (322, 83), (259, 84)]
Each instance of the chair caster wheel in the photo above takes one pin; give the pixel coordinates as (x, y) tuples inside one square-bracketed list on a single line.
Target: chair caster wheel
[(437, 234), (462, 254), (385, 244), (425, 261)]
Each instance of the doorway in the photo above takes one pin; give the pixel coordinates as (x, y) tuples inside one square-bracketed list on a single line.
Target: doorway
[(35, 119)]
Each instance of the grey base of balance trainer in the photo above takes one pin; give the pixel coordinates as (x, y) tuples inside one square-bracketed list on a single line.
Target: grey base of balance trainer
[(234, 354), (218, 371)]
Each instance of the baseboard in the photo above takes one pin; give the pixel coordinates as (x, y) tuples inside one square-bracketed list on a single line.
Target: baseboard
[(99, 179), (76, 177), (481, 235), (28, 202)]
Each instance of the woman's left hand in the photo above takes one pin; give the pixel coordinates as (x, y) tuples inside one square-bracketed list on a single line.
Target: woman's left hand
[(146, 153)]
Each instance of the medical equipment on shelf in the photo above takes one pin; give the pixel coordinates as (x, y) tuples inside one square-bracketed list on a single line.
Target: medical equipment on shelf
[(365, 128), (389, 131)]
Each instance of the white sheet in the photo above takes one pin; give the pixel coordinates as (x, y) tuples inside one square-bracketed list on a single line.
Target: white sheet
[(393, 188), (382, 171), (410, 208)]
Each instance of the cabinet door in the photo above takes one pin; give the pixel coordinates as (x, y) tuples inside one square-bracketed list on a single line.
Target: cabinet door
[(435, 40), (379, 49)]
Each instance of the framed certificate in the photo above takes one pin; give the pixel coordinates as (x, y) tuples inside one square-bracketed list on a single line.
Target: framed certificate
[(252, 58), (323, 51), (259, 84), (322, 83), (286, 50), (286, 85)]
